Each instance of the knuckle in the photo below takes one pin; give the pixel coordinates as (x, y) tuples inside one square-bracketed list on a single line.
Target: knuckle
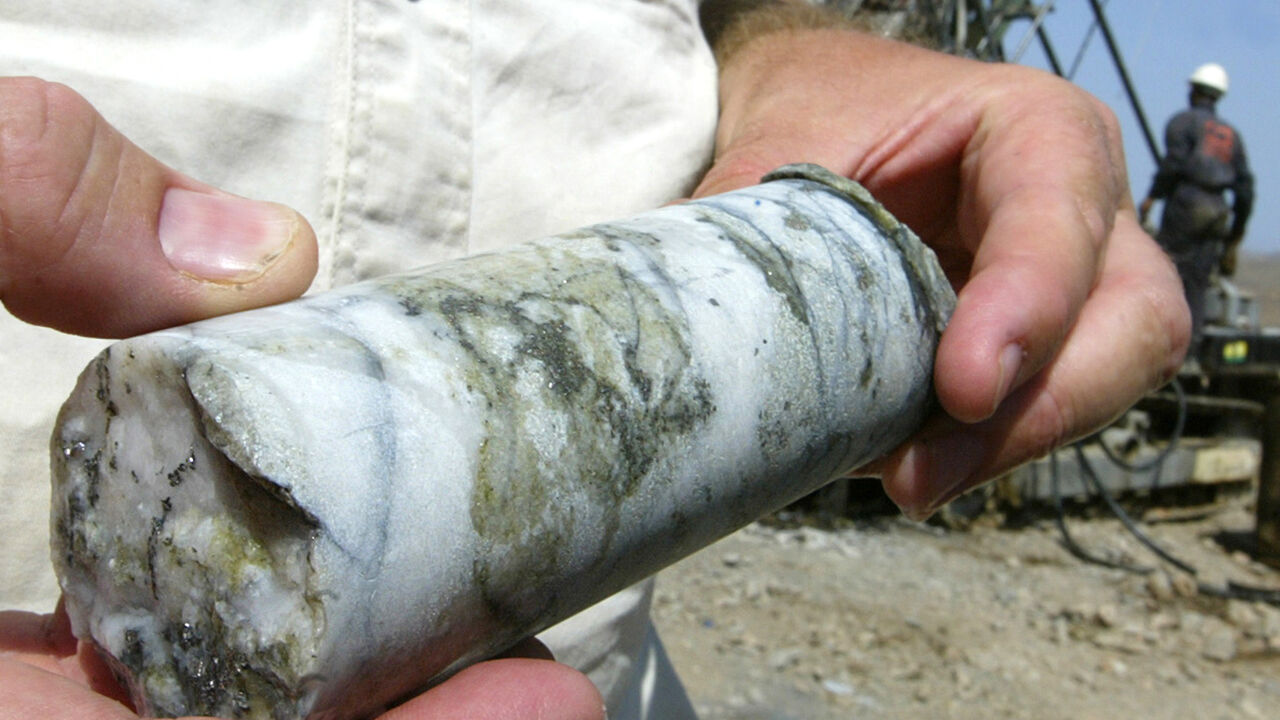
[(27, 107), (23, 115), (29, 143), (46, 133)]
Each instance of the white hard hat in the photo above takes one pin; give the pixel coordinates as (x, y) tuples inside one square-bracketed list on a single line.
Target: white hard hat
[(1212, 76)]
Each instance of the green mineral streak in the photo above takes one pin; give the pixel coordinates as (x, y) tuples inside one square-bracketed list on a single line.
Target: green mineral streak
[(209, 654), (796, 221), (586, 374), (216, 675), (935, 297), (233, 553), (219, 664), (773, 264), (550, 344)]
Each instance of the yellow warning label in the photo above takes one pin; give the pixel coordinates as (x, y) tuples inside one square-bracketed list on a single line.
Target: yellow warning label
[(1235, 352)]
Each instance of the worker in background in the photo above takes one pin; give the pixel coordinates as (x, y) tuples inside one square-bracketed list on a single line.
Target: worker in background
[(1204, 157)]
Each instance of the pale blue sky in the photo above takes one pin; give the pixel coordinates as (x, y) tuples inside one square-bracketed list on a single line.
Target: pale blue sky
[(1161, 42)]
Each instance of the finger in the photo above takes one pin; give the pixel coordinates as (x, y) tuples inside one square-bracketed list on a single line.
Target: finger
[(98, 238), (1038, 230), (1130, 338), (508, 690), (31, 692), (26, 632), (46, 642)]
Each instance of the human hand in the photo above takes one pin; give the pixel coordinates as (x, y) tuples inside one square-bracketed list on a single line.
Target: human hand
[(1067, 311), (45, 673), (98, 238)]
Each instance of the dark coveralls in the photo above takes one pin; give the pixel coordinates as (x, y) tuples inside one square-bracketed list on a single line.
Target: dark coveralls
[(1204, 157)]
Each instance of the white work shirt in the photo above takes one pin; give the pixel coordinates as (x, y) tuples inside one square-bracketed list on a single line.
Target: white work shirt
[(406, 132)]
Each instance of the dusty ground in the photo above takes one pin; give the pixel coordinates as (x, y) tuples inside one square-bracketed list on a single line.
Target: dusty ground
[(889, 619)]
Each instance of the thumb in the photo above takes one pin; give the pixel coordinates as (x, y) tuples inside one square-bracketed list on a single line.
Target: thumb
[(508, 688), (98, 238)]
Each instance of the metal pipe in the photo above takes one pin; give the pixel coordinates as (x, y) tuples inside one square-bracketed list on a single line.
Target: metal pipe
[(1048, 51), (1101, 19), (1082, 50), (1037, 29)]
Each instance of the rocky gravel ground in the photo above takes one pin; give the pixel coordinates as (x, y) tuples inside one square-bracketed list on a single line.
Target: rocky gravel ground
[(890, 619)]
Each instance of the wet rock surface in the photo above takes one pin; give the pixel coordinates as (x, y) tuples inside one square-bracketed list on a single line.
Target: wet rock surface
[(889, 619)]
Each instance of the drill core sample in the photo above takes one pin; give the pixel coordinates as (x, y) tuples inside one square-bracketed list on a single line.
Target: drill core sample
[(315, 509)]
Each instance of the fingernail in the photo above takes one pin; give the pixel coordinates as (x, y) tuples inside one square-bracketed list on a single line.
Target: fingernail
[(1010, 364), (947, 465), (223, 238), (914, 464)]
